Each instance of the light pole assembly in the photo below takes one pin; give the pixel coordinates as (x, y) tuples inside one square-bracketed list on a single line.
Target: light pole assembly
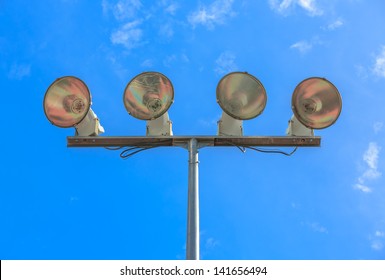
[(316, 104)]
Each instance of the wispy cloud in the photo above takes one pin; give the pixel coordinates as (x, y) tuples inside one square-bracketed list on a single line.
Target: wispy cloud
[(377, 245), (213, 122), (148, 63), (171, 8), (305, 46), (117, 66), (316, 227), (170, 60), (215, 14), (129, 35), (284, 6), (122, 10), (302, 46), (211, 243), (377, 241), (225, 63), (379, 65), (335, 24), (310, 6), (19, 71), (377, 127), (361, 71), (370, 157), (166, 30)]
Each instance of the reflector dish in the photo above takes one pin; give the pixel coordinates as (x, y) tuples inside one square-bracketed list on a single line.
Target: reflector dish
[(67, 101), (241, 95), (148, 96), (316, 103)]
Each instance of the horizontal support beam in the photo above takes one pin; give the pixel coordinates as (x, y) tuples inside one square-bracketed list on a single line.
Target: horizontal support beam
[(203, 141)]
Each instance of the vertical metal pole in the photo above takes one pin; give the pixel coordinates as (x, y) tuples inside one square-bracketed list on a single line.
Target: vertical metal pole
[(192, 244)]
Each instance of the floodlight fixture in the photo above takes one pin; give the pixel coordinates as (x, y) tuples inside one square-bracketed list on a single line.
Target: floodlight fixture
[(148, 96), (241, 97), (67, 103), (316, 104)]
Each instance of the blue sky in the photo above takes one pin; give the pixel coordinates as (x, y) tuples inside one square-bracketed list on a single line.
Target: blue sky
[(321, 203)]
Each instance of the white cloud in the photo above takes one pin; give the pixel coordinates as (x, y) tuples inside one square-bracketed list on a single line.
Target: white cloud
[(211, 243), (166, 30), (310, 6), (302, 46), (210, 122), (362, 188), (370, 157), (148, 63), (105, 7), (225, 63), (171, 8), (283, 7), (377, 241), (377, 127), (171, 60), (361, 71), (280, 6), (117, 66), (19, 71), (295, 205), (336, 24), (122, 9), (129, 35), (215, 14), (377, 245), (316, 227), (379, 66)]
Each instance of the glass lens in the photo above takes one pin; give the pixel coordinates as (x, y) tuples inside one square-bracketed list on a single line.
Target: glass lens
[(67, 101), (148, 96), (316, 103), (241, 95)]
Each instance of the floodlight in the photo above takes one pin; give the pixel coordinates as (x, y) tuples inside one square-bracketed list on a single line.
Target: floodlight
[(241, 97), (316, 103), (148, 96), (67, 103)]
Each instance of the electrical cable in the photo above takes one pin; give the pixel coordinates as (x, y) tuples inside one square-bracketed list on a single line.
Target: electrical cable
[(272, 151), (124, 154), (243, 149), (114, 148)]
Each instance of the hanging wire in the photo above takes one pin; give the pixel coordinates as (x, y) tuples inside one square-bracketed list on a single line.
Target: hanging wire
[(129, 151), (242, 149), (114, 148), (125, 155), (134, 149), (272, 151)]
